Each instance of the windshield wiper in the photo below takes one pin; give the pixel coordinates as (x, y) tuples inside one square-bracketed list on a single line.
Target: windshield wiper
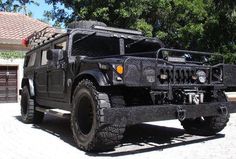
[(84, 37), (136, 42)]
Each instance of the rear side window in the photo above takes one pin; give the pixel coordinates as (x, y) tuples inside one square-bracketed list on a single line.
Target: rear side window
[(60, 46), (30, 60), (44, 60)]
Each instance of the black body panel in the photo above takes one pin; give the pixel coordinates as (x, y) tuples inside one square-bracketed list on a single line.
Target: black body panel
[(230, 76), (41, 82), (56, 82)]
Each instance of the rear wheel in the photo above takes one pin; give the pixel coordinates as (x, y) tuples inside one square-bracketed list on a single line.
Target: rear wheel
[(87, 121), (207, 125), (28, 113)]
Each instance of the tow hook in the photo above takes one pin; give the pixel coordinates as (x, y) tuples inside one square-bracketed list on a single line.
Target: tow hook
[(224, 110), (181, 114)]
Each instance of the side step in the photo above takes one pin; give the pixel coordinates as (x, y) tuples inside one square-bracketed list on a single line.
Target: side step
[(55, 112)]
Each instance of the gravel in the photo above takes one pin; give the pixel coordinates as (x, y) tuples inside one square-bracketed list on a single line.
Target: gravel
[(53, 139)]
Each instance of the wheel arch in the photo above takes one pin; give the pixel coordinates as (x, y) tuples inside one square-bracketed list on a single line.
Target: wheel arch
[(30, 84), (95, 76)]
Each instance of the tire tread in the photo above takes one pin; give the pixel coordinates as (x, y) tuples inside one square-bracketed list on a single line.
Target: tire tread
[(106, 136)]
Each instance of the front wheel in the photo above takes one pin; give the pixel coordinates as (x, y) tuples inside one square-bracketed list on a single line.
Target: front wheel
[(87, 121)]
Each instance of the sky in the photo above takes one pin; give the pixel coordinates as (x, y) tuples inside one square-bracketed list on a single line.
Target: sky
[(39, 10)]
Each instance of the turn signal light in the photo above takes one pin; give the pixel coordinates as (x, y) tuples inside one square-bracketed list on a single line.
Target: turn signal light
[(120, 69)]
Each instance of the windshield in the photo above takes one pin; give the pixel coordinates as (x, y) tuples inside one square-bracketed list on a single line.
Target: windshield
[(139, 46), (94, 46)]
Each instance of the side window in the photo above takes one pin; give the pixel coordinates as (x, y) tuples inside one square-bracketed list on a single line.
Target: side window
[(44, 60), (61, 45), (30, 60)]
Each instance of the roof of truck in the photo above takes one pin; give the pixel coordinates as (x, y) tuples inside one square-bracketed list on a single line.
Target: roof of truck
[(102, 31)]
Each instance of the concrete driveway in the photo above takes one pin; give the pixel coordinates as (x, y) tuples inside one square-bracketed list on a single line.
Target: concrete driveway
[(53, 140)]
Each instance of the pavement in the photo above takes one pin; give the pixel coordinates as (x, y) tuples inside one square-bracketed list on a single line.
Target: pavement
[(53, 140), (231, 96)]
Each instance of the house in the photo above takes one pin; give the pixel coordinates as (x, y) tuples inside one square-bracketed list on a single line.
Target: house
[(13, 28)]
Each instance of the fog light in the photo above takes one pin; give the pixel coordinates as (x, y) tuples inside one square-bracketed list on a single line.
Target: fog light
[(201, 76), (118, 78)]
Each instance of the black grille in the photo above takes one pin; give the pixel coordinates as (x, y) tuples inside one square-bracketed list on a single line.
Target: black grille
[(147, 72), (177, 75)]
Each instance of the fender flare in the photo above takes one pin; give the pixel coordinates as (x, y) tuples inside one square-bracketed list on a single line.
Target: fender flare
[(30, 84), (96, 75)]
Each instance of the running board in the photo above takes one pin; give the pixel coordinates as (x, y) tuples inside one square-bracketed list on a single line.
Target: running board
[(55, 112)]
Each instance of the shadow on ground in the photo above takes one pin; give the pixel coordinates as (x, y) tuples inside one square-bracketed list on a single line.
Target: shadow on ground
[(58, 127), (138, 139), (145, 138)]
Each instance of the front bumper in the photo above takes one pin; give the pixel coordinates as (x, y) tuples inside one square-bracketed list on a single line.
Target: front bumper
[(139, 114)]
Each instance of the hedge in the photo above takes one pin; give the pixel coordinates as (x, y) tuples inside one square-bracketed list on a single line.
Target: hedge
[(12, 54)]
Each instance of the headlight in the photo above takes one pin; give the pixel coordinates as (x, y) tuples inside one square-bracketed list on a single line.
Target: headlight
[(201, 76)]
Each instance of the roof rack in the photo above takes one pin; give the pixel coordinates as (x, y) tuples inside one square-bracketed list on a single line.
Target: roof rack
[(118, 30), (42, 36)]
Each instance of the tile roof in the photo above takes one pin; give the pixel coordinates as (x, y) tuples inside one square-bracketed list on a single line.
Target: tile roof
[(15, 26)]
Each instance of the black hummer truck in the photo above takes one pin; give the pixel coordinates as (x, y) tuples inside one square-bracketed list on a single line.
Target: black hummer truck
[(107, 78)]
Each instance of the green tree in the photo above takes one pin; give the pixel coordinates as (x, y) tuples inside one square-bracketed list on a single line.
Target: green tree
[(220, 29), (17, 6), (206, 25)]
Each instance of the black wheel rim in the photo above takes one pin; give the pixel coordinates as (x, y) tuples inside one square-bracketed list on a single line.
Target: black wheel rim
[(85, 115)]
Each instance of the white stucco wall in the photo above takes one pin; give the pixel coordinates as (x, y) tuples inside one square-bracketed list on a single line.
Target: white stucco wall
[(15, 62)]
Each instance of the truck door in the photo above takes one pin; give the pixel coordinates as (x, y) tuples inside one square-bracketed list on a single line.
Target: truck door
[(56, 82), (57, 76), (41, 76)]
